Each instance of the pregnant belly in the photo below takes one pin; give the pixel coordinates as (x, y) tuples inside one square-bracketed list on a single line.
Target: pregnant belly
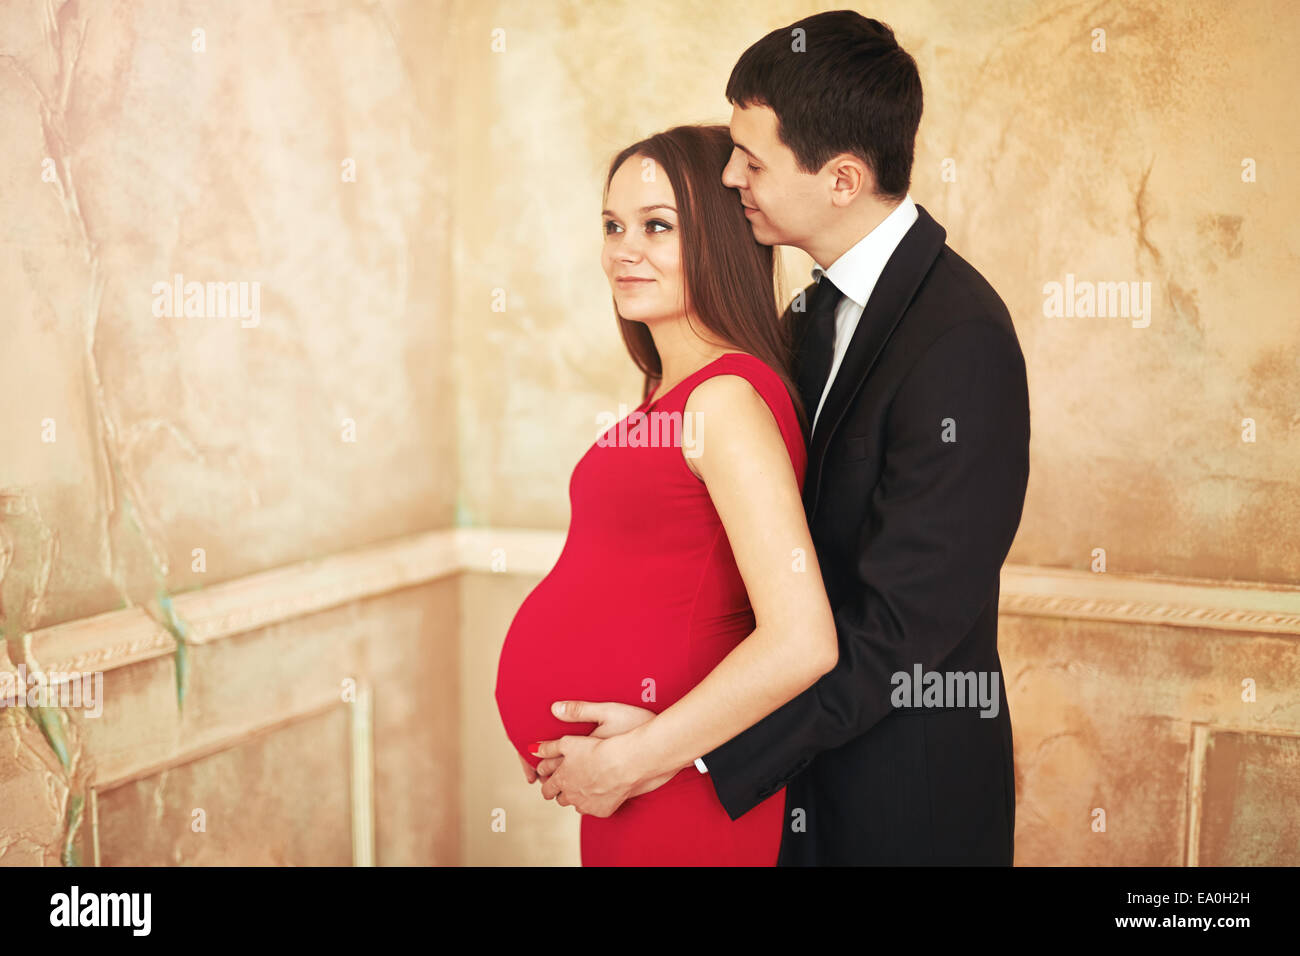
[(561, 646)]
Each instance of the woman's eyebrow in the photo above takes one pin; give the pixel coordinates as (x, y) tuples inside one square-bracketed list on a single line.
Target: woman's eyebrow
[(643, 209)]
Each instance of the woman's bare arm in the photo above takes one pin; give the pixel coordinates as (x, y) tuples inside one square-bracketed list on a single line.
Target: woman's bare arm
[(746, 467)]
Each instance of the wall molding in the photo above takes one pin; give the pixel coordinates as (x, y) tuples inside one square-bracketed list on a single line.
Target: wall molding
[(120, 638), (361, 771), (1250, 607)]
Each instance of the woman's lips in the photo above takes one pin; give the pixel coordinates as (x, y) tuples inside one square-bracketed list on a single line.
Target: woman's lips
[(631, 280)]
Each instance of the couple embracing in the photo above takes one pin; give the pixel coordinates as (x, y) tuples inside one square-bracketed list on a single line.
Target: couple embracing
[(709, 675)]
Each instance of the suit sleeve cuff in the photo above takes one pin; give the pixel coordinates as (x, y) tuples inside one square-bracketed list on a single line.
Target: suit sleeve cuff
[(699, 765)]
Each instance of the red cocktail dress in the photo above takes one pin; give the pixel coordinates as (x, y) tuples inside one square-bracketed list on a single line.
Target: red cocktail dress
[(643, 602)]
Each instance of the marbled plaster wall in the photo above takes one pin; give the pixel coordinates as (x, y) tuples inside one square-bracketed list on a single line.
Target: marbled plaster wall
[(133, 156), (299, 152)]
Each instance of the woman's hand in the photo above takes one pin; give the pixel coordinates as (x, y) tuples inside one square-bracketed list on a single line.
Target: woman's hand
[(611, 720)]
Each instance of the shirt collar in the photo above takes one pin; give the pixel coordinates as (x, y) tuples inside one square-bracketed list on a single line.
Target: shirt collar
[(856, 271)]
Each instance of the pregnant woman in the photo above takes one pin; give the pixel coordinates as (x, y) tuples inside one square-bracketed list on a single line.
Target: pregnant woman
[(688, 584)]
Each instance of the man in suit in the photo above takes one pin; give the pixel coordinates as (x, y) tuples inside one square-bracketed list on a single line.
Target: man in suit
[(914, 389)]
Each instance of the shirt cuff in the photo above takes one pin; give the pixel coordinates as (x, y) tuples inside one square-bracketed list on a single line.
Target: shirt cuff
[(699, 765)]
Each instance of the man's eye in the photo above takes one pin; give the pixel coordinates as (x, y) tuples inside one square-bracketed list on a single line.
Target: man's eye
[(659, 222)]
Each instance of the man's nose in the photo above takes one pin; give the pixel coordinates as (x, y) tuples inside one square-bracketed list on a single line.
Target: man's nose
[(731, 175)]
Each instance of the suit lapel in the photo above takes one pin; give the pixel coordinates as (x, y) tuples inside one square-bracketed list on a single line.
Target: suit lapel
[(894, 290)]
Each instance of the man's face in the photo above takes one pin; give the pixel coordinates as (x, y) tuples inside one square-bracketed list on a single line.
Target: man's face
[(784, 205)]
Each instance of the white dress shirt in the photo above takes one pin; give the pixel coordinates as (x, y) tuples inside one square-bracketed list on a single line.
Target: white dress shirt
[(855, 273)]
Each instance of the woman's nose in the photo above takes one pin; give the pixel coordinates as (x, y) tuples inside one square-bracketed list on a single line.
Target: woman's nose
[(628, 249)]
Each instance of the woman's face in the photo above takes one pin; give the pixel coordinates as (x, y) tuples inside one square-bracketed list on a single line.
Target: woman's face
[(642, 253)]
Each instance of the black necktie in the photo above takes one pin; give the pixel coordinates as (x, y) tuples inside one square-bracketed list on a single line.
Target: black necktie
[(817, 348)]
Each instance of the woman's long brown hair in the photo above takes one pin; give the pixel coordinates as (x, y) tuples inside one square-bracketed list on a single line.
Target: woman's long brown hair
[(730, 278)]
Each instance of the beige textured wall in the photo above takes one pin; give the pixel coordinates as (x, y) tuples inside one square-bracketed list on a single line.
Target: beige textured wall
[(128, 440), (223, 165)]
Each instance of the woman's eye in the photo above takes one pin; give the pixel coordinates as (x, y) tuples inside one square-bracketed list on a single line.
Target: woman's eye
[(752, 167), (610, 226), (658, 222)]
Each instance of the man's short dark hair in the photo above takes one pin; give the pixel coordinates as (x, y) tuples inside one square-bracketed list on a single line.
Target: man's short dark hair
[(842, 86)]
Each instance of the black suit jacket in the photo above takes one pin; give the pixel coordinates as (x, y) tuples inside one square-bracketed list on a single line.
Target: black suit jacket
[(911, 532)]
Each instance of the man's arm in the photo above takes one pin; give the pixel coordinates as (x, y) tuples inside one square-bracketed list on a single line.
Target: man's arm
[(938, 528)]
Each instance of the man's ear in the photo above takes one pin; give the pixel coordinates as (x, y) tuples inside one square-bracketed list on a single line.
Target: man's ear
[(852, 178)]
